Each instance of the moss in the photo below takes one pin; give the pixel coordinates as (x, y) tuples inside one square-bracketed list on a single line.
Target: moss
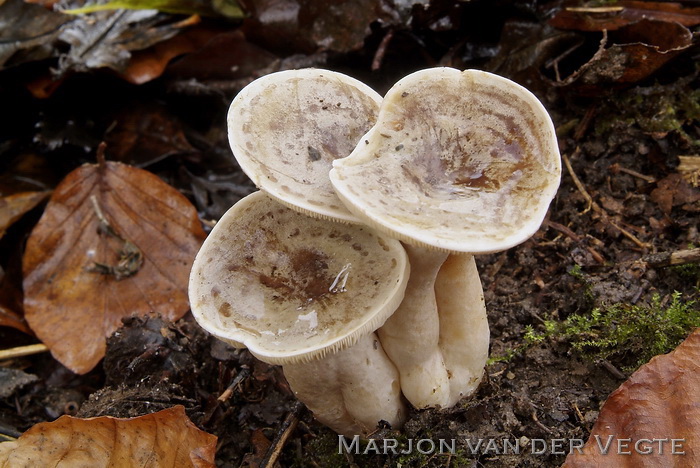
[(628, 334), (632, 334), (653, 110)]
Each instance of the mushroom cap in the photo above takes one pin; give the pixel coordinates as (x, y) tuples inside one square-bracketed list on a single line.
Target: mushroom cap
[(292, 288), (286, 128), (458, 161)]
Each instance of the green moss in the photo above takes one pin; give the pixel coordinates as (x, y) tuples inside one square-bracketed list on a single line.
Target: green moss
[(630, 333), (653, 110), (627, 334)]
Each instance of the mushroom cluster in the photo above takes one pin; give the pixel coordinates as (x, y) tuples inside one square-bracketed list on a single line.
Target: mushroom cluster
[(353, 267)]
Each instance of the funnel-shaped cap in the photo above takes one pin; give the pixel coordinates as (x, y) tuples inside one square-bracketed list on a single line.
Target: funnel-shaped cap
[(293, 288), (459, 161), (286, 128)]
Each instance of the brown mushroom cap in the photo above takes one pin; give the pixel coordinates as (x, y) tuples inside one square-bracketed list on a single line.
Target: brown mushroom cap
[(459, 161), (286, 128), (293, 288)]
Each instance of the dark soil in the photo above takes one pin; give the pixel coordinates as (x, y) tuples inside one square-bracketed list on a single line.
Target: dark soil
[(580, 259)]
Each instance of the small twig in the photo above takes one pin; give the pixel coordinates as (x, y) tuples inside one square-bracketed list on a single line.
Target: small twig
[(612, 369), (578, 411), (539, 424), (286, 429), (226, 394), (23, 351), (639, 175), (577, 181), (381, 50), (595, 206), (679, 257)]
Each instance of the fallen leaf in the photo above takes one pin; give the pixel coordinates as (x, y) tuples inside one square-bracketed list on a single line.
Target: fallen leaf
[(107, 38), (629, 54), (659, 401), (145, 134), (148, 64), (674, 190), (114, 241), (27, 32), (14, 206), (166, 439), (307, 26), (623, 13)]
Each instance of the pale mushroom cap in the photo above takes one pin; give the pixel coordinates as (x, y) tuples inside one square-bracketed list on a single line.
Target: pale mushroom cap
[(458, 161), (292, 288), (286, 128)]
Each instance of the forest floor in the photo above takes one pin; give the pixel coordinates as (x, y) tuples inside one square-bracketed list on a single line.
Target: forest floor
[(625, 196)]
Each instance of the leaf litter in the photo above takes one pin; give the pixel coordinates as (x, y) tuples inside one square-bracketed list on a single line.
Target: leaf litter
[(630, 142)]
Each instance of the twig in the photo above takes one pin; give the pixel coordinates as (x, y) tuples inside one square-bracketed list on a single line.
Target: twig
[(612, 369), (226, 394), (23, 351), (539, 424), (288, 426), (578, 412), (679, 257), (595, 206), (639, 175), (577, 181)]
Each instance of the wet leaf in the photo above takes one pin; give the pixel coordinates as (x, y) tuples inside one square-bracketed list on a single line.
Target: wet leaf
[(166, 439), (148, 64), (308, 25), (623, 13), (106, 38), (14, 206), (629, 54), (674, 190), (659, 401), (114, 241), (145, 134), (27, 32)]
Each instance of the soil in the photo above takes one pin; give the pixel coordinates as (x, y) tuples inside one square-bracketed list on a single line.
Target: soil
[(580, 258)]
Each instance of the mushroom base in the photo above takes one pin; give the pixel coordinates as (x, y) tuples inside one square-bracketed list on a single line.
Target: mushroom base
[(352, 390)]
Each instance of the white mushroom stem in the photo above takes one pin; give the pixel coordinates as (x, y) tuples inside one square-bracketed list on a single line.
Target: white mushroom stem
[(411, 336), (464, 327), (352, 390), (439, 336)]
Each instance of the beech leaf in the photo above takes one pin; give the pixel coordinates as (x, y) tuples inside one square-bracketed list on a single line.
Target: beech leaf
[(12, 207), (166, 439), (656, 404), (114, 241)]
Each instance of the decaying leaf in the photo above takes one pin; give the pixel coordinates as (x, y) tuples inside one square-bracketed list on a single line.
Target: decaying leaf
[(629, 54), (14, 206), (658, 404), (674, 190), (114, 241), (106, 38), (166, 439), (27, 32), (308, 26), (145, 134), (622, 13)]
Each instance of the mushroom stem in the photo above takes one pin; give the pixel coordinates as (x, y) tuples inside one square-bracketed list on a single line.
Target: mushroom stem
[(439, 336), (352, 390), (411, 336), (464, 327)]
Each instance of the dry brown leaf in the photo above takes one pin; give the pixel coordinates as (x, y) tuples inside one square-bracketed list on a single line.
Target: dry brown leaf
[(166, 439), (674, 190), (14, 206), (81, 277), (659, 402)]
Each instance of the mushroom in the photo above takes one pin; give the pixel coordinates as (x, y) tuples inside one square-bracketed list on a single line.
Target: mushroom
[(286, 128), (308, 294), (461, 163)]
